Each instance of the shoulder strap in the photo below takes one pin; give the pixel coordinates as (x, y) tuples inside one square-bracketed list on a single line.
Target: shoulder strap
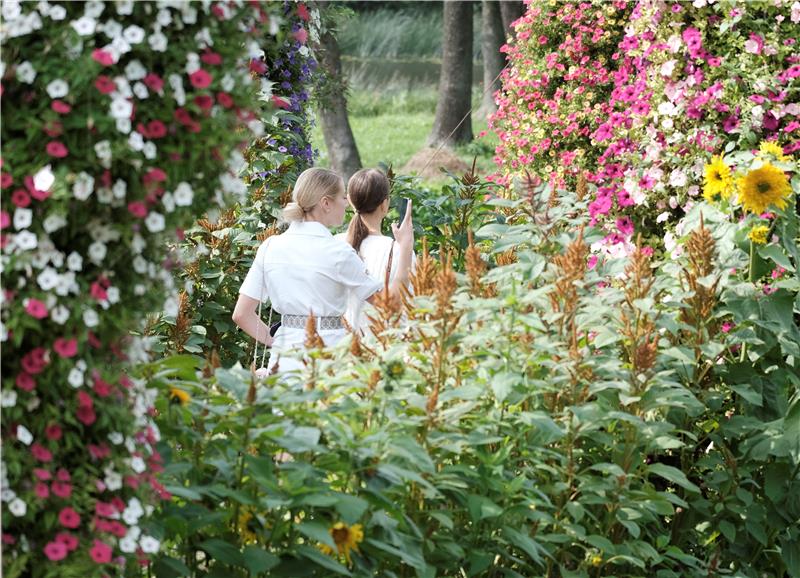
[(389, 263)]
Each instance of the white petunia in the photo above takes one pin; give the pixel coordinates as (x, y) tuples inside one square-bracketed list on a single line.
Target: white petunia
[(116, 438), (112, 294), (135, 70), (94, 8), (74, 262), (192, 63), (164, 18), (17, 507), (138, 465), (138, 244), (120, 45), (140, 90), (24, 435), (119, 189), (11, 10), (75, 377), (136, 141), (112, 479), (59, 314), (677, 178), (44, 178), (125, 7), (121, 108), (128, 545), (48, 278), (140, 265), (795, 17), (149, 150), (26, 73), (97, 252), (133, 34), (91, 318), (168, 201), (149, 544), (228, 83), (155, 222), (111, 28), (57, 88), (188, 14), (84, 25), (83, 186), (663, 217), (7, 494), (104, 195), (22, 218), (8, 398), (183, 194), (133, 512), (124, 125), (57, 12), (25, 241), (33, 403), (66, 283), (158, 42)]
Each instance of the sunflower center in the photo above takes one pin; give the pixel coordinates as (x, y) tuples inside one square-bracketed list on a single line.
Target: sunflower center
[(340, 535), (717, 175), (763, 187)]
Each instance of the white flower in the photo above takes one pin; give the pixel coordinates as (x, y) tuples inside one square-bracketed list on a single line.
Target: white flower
[(120, 45), (83, 187), (44, 178), (74, 261), (121, 108), (149, 544), (136, 141), (116, 438), (139, 265), (58, 12), (91, 318), (7, 494), (11, 10), (48, 278), (25, 241), (94, 8), (8, 398), (125, 7), (140, 90), (59, 314), (138, 465), (124, 125), (111, 28), (135, 70), (157, 42), (150, 151), (677, 178), (127, 545), (674, 43), (795, 17), (663, 217), (57, 88), (133, 512), (155, 222), (668, 67), (119, 189), (22, 218), (104, 195), (17, 507), (24, 435), (75, 377), (183, 194), (84, 25), (33, 403), (133, 34), (189, 14), (203, 36), (97, 252), (66, 283), (163, 17), (232, 184), (228, 83), (138, 244), (103, 149), (112, 480), (26, 73), (168, 201)]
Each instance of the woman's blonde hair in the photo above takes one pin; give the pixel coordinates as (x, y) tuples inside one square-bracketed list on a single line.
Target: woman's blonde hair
[(310, 188)]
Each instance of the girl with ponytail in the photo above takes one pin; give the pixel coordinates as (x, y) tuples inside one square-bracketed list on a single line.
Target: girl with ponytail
[(305, 271), (368, 193)]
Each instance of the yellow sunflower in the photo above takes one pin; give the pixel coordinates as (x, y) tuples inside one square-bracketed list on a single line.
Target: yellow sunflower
[(770, 147), (345, 537), (763, 187), (718, 179), (178, 396), (247, 526), (758, 234)]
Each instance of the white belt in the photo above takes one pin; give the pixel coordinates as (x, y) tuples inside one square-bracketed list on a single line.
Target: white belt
[(323, 323)]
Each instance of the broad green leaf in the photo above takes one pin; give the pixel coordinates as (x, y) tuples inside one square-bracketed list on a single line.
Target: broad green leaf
[(316, 532), (350, 508), (774, 252), (525, 543), (168, 567), (221, 550), (673, 475), (258, 560), (321, 559)]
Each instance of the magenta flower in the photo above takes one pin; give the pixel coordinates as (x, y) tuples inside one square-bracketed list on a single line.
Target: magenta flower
[(69, 518), (55, 551), (730, 124), (624, 226), (21, 198), (41, 490), (66, 348), (103, 57), (62, 489), (36, 308), (25, 381), (200, 79), (41, 453), (100, 552), (60, 107), (56, 149), (69, 540), (53, 432)]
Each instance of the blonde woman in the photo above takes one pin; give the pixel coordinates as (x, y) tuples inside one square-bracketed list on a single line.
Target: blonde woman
[(305, 270), (368, 194)]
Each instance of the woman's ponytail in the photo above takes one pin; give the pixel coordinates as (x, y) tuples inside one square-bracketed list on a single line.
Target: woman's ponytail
[(311, 186), (357, 231), (366, 190), (293, 212)]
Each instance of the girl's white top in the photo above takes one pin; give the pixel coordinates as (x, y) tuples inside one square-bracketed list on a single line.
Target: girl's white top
[(374, 251), (306, 270)]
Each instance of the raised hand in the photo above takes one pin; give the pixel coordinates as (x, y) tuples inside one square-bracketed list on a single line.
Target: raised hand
[(404, 234)]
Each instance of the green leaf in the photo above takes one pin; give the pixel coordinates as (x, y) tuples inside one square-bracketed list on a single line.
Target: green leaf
[(321, 559), (790, 552), (183, 492), (350, 508), (525, 543), (481, 507), (167, 567), (317, 532), (673, 475), (221, 550), (258, 560), (774, 252), (300, 439), (728, 530)]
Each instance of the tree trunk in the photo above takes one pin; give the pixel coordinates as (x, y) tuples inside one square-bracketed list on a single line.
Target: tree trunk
[(510, 10), (492, 39), (455, 79), (339, 140)]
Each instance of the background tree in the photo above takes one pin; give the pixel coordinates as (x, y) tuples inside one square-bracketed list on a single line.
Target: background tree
[(455, 80), (510, 10), (493, 36)]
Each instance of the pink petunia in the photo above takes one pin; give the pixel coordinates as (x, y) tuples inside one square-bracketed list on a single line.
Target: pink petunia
[(36, 308), (63, 475), (55, 551), (302, 12), (301, 35), (154, 82), (69, 518), (86, 415), (6, 180), (212, 58), (57, 149), (105, 509), (41, 490), (69, 540), (100, 552), (156, 129), (103, 57), (224, 99), (104, 84), (61, 107), (41, 453), (5, 219), (53, 432), (204, 101), (200, 79), (20, 198), (41, 474), (62, 489), (279, 101), (66, 348), (137, 209), (25, 381)]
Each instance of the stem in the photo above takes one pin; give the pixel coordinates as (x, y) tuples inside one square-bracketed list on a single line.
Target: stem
[(750, 279)]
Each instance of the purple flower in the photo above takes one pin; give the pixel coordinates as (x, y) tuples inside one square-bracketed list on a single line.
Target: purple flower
[(730, 124)]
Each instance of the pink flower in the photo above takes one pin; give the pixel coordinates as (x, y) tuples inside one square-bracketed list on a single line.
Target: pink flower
[(98, 292), (156, 129), (727, 326), (56, 149), (212, 58), (730, 124), (104, 84), (101, 388), (200, 79), (103, 57), (302, 12), (21, 198), (66, 348), (69, 540), (41, 490), (100, 552), (41, 453), (42, 474), (60, 107), (36, 308), (62, 489), (55, 551), (301, 35), (86, 415), (154, 175), (35, 360), (279, 101), (5, 219), (625, 226), (6, 180), (53, 432), (754, 45), (224, 99), (69, 518), (154, 82), (63, 475), (137, 209), (105, 509), (25, 381)]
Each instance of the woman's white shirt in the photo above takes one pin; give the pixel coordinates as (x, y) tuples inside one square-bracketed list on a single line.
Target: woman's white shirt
[(305, 270), (374, 251)]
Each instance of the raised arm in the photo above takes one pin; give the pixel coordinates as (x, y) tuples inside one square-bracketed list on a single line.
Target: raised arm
[(245, 316), (404, 243)]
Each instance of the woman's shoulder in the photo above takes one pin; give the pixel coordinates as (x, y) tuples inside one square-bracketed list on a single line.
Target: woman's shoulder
[(377, 241)]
